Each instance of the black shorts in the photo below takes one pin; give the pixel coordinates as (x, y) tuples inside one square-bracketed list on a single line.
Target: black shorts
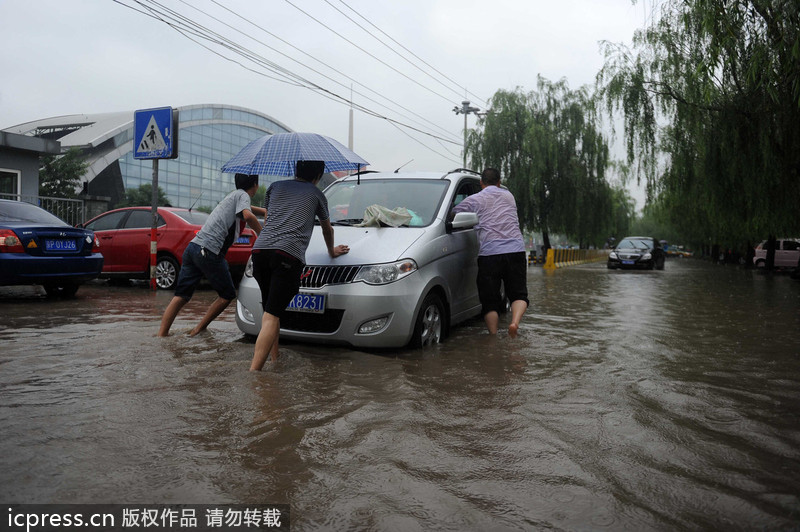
[(278, 276), (509, 268), (198, 263)]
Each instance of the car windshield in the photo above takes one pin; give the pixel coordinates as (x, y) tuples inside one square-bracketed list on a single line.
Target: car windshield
[(193, 217), (348, 200), (19, 211), (634, 243)]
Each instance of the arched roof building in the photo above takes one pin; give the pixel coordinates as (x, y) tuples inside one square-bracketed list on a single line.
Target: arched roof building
[(208, 136)]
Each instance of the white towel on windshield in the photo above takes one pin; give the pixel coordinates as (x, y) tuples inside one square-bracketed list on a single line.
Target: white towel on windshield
[(375, 215)]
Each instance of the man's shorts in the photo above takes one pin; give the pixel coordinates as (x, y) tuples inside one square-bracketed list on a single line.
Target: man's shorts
[(509, 268), (278, 276), (199, 263)]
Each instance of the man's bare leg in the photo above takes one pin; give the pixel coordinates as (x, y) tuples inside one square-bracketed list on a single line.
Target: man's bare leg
[(518, 309), (170, 313), (214, 310), (267, 341), (491, 319)]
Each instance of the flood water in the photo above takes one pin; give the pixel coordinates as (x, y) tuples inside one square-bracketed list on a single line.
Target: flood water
[(666, 400)]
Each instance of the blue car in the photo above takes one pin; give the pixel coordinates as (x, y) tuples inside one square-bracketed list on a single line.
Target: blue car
[(39, 248)]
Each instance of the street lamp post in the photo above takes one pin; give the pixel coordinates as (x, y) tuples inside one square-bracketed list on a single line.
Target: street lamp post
[(465, 109)]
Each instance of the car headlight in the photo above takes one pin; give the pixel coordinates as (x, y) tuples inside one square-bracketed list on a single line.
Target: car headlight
[(612, 255), (386, 273), (248, 270), (647, 256)]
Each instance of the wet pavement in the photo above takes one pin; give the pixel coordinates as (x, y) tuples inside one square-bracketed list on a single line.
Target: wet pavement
[(630, 401)]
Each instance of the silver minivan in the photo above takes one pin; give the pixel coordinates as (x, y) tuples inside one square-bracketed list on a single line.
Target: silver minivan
[(399, 284)]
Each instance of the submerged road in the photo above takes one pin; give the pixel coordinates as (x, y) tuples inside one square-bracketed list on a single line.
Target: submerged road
[(665, 400)]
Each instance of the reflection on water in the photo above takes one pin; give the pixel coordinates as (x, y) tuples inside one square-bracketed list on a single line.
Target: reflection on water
[(632, 400)]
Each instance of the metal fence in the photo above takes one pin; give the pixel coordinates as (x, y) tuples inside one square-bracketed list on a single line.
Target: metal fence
[(72, 211)]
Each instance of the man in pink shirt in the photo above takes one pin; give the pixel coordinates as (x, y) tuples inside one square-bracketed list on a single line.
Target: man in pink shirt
[(502, 251)]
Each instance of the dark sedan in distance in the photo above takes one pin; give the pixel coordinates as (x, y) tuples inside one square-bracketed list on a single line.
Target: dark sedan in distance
[(37, 247), (637, 252)]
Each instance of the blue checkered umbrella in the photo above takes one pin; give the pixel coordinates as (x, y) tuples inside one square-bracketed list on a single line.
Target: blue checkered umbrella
[(277, 155)]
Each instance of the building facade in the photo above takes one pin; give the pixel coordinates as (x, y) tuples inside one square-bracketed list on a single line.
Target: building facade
[(208, 136), (19, 163)]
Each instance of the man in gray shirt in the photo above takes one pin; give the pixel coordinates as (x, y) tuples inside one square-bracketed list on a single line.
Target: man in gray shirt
[(205, 254)]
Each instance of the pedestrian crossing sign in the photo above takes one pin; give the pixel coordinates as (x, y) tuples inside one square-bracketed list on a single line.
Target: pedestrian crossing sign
[(155, 133)]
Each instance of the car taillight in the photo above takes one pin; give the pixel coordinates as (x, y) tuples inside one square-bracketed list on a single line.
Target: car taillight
[(10, 242), (96, 245)]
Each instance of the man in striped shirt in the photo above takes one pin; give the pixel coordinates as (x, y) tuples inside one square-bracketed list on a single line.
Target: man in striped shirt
[(280, 250), (502, 251)]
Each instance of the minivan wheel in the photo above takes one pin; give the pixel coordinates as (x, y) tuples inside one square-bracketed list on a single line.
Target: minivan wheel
[(430, 322), (166, 272)]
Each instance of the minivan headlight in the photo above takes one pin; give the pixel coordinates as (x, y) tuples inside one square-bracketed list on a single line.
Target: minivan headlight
[(386, 273), (248, 270)]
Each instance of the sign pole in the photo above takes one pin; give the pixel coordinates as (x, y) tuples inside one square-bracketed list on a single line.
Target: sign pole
[(155, 136), (153, 227)]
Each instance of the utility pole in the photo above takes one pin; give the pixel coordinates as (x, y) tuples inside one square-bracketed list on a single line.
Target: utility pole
[(465, 109), (350, 131)]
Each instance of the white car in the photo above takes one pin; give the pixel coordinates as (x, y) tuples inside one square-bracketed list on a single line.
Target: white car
[(397, 286)]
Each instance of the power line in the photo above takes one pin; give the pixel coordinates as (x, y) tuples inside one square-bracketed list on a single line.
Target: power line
[(318, 61), (483, 100), (368, 53), (348, 17), (195, 32), (183, 24)]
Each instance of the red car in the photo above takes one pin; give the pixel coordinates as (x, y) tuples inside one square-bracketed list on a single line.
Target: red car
[(124, 236)]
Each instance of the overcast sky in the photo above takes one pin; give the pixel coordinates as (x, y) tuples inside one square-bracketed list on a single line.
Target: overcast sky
[(90, 56)]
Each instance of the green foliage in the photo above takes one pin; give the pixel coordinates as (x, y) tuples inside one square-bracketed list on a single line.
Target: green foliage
[(60, 175), (549, 148), (711, 100), (258, 198), (655, 222), (143, 197)]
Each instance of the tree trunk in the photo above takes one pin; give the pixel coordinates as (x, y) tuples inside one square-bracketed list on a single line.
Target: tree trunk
[(771, 242)]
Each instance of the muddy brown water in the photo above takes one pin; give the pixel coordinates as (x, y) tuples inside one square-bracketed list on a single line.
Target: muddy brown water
[(630, 401)]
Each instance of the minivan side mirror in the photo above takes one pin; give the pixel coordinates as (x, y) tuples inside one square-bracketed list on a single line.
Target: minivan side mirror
[(463, 220)]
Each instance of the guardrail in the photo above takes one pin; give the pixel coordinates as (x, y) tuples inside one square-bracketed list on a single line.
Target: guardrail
[(560, 258), (72, 211)]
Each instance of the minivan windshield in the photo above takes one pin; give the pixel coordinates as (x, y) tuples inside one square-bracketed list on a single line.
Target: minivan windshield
[(348, 200)]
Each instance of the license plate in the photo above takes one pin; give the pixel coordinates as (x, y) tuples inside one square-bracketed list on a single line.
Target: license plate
[(627, 262), (314, 303), (60, 245), (243, 240)]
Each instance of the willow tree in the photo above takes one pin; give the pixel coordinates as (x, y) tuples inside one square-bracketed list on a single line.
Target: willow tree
[(553, 156), (711, 99)]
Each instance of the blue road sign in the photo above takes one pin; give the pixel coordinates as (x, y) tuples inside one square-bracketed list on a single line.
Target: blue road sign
[(153, 134)]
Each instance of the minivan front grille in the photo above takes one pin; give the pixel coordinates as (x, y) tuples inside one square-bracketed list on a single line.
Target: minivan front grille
[(327, 322), (319, 276)]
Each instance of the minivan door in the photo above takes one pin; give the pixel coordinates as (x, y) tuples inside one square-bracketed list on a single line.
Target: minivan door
[(465, 247)]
